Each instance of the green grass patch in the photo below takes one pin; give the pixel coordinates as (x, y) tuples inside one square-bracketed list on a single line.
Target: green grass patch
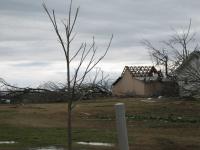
[(32, 137), (168, 118), (95, 135), (27, 137), (7, 113)]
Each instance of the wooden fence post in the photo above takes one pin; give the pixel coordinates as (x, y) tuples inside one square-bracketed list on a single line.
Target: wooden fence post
[(121, 126)]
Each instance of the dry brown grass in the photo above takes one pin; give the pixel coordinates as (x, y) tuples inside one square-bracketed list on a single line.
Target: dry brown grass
[(144, 134)]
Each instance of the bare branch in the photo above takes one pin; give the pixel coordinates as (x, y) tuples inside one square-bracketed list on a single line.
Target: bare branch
[(90, 66), (78, 51), (76, 15)]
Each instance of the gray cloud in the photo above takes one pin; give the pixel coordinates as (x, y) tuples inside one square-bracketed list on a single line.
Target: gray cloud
[(27, 34), (31, 64)]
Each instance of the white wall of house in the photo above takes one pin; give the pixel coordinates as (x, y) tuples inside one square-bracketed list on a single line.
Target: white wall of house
[(188, 75)]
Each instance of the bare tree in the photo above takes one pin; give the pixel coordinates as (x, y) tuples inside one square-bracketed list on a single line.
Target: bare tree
[(174, 50), (99, 84), (16, 94), (159, 56), (87, 54)]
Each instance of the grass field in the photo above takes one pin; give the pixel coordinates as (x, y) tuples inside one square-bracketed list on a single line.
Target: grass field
[(156, 124)]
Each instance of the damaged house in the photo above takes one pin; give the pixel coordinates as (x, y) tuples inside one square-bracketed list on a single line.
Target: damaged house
[(138, 81), (188, 76)]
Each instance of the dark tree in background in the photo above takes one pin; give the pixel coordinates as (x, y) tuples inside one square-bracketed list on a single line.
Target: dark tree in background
[(173, 51), (86, 54)]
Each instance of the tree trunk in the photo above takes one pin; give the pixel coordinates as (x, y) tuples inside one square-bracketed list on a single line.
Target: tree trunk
[(166, 66), (69, 125)]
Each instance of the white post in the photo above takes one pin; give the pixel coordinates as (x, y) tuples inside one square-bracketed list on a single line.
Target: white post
[(121, 126)]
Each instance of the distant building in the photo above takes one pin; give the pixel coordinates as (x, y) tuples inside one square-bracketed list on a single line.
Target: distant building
[(188, 76), (138, 81)]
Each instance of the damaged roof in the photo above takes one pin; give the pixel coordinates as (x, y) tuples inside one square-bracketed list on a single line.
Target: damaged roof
[(141, 71), (193, 55)]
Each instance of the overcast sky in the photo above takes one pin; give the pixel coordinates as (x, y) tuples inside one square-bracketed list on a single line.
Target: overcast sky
[(31, 55)]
